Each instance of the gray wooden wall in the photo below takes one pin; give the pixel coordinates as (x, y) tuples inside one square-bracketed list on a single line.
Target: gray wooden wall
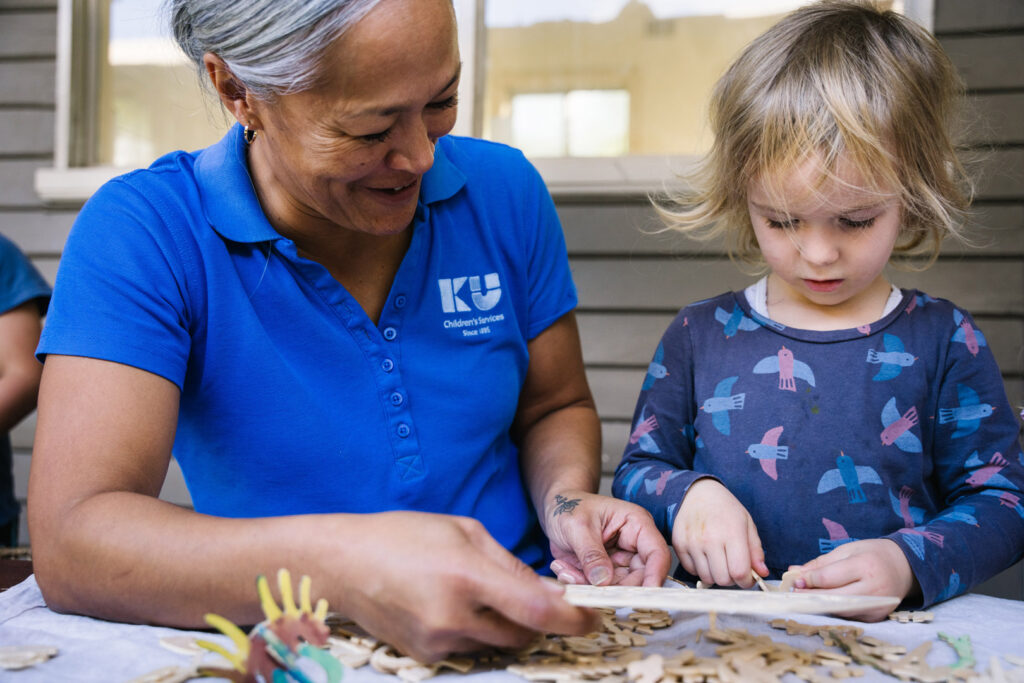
[(630, 284)]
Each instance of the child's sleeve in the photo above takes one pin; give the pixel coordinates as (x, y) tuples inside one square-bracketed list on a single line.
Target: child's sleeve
[(656, 468), (978, 471)]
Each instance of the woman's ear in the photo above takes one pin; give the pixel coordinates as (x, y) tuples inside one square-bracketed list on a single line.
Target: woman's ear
[(232, 92)]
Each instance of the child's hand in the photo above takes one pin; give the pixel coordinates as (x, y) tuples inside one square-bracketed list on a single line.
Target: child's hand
[(871, 567), (715, 537)]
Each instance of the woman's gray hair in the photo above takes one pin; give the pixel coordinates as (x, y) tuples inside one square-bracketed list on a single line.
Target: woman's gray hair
[(274, 47)]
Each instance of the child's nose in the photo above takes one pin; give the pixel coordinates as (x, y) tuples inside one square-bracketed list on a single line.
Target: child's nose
[(818, 247)]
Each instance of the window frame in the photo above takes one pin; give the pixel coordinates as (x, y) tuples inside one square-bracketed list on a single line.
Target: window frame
[(72, 179)]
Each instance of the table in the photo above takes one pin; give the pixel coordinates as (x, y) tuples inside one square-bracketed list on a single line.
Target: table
[(96, 650)]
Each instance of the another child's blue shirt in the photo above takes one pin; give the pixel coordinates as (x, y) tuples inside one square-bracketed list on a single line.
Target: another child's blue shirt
[(20, 282), (292, 400), (900, 429)]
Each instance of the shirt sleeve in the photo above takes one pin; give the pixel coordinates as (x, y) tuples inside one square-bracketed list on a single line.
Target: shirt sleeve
[(978, 472), (121, 290), (20, 282), (552, 291), (657, 466)]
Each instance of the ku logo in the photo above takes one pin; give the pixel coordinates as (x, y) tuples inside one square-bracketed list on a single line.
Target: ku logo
[(484, 298)]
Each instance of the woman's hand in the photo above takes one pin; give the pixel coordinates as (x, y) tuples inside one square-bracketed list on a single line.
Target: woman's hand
[(715, 537), (600, 540), (436, 584), (874, 566)]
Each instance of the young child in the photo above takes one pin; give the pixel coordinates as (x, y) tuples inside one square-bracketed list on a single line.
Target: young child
[(824, 419)]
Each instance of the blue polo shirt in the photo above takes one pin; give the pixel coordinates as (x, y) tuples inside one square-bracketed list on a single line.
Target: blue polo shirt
[(292, 400)]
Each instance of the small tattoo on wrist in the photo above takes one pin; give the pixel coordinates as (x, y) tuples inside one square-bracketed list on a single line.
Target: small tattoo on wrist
[(564, 505)]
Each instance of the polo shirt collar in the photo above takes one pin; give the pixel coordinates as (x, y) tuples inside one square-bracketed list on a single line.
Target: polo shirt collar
[(232, 208)]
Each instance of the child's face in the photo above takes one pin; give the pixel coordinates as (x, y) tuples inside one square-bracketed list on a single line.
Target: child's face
[(826, 244)]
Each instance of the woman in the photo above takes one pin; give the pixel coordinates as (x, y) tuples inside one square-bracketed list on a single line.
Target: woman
[(345, 323)]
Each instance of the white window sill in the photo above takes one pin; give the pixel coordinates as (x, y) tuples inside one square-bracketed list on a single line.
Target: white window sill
[(597, 177)]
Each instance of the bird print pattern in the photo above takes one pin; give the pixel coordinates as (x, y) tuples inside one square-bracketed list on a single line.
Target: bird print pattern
[(655, 370), (724, 401), (897, 427), (892, 359), (642, 434), (850, 476), (896, 430), (788, 368), (769, 452), (837, 536), (735, 321), (966, 334), (968, 414)]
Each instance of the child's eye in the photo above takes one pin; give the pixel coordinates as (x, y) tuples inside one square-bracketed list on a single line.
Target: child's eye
[(850, 223), (780, 225), (446, 103)]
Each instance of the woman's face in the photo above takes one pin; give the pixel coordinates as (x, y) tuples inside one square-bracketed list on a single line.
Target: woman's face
[(351, 152)]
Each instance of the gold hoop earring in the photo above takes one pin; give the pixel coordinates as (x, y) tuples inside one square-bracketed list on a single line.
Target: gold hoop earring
[(249, 135)]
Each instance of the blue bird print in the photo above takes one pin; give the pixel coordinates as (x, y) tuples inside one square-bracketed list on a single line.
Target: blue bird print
[(722, 402), (952, 588), (892, 360), (735, 321), (968, 415), (633, 482), (837, 536), (850, 476), (655, 370), (959, 513)]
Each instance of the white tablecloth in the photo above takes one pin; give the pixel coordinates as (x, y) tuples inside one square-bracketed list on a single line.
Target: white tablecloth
[(95, 650)]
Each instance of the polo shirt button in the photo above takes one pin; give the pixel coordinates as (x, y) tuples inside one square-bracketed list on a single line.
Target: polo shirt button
[(400, 301), (390, 333), (396, 399), (387, 365), (403, 430)]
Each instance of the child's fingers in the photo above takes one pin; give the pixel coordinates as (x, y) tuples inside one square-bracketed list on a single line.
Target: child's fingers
[(701, 568), (756, 550), (737, 556), (830, 575)]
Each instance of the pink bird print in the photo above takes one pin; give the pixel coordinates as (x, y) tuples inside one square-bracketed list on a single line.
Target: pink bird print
[(898, 427), (788, 368), (966, 334), (914, 538), (864, 329), (662, 480), (982, 475), (769, 452), (905, 493), (1008, 499), (645, 427)]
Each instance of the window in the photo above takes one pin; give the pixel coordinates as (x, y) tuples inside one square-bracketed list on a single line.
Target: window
[(604, 96), (578, 123)]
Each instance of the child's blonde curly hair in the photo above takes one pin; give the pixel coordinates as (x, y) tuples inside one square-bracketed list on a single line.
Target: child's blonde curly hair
[(841, 80)]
